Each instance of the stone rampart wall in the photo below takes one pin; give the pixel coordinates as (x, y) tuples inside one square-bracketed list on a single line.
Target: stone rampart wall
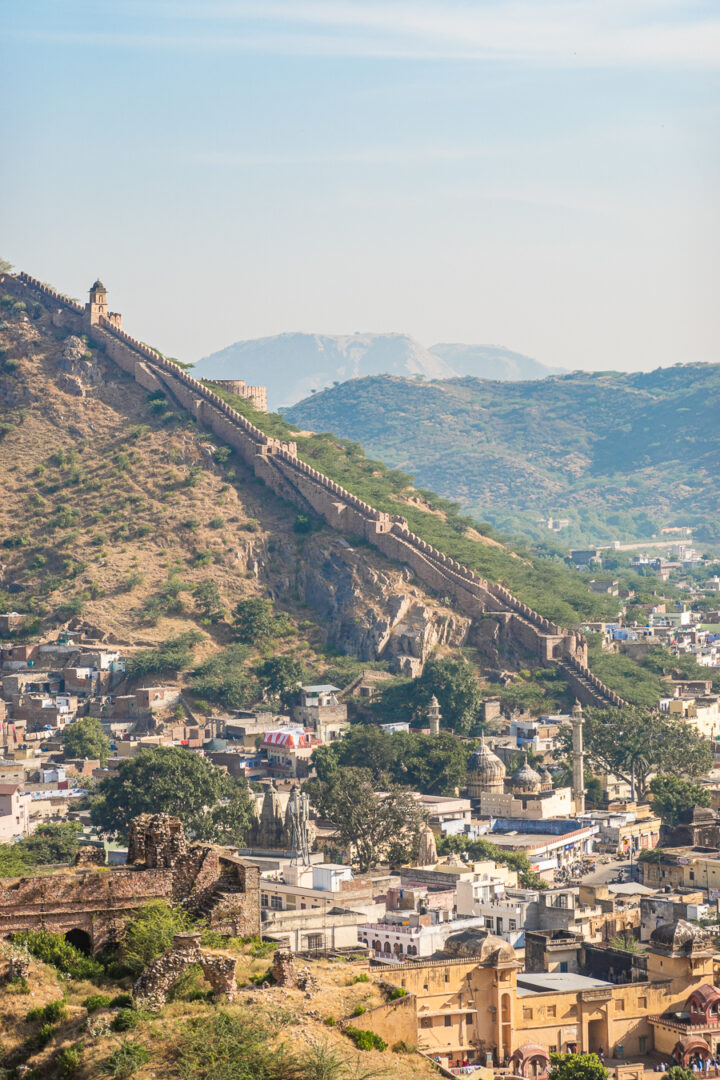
[(276, 462)]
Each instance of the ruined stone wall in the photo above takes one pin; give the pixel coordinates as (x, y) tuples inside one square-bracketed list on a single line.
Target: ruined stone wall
[(96, 901), (277, 464)]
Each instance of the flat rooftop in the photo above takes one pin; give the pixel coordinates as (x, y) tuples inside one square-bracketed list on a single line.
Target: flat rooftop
[(546, 982)]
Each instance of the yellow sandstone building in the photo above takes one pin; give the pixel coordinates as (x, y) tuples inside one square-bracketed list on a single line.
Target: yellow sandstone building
[(476, 1006)]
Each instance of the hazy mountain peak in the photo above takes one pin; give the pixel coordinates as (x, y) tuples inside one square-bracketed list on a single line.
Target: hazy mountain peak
[(295, 365)]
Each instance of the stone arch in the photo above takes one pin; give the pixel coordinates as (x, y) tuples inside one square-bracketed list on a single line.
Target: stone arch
[(691, 1048), (530, 1060), (80, 939), (153, 986)]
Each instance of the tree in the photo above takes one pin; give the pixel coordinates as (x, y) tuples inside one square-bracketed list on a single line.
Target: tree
[(454, 684), (374, 826), (672, 796), (223, 678), (52, 843), (577, 1067), (255, 621), (86, 739), (150, 933), (633, 743), (485, 849), (209, 601), (279, 677), (434, 765), (174, 654), (171, 780)]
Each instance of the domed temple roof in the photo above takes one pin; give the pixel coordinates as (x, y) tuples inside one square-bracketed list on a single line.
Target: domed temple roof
[(479, 944), (485, 764), (677, 936), (526, 779)]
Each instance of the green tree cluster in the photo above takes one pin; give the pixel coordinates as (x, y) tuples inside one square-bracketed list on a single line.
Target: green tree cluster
[(374, 825), (86, 739), (673, 796), (634, 743), (431, 764), (167, 779), (55, 842), (485, 849)]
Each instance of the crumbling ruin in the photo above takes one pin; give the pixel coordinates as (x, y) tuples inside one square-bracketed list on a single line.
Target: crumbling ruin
[(91, 904), (152, 987)]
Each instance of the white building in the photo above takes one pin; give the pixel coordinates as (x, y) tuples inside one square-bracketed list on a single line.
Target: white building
[(14, 813)]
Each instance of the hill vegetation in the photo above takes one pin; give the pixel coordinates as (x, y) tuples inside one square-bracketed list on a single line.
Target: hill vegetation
[(619, 455)]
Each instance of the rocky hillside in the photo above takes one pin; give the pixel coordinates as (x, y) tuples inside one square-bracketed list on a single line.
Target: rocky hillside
[(293, 366), (117, 511), (619, 455)]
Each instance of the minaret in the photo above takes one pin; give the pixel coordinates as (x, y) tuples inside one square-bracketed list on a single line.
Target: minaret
[(434, 715), (578, 767)]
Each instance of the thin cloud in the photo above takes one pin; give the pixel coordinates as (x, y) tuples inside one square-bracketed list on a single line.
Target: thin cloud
[(676, 33)]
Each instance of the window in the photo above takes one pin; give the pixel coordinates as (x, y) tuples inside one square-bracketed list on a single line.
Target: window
[(642, 1044), (512, 924), (563, 967), (620, 1005), (692, 875), (488, 922), (448, 1021), (469, 1018), (315, 942), (552, 1049), (264, 900), (642, 1003), (552, 1010), (276, 903), (527, 1014), (426, 1022)]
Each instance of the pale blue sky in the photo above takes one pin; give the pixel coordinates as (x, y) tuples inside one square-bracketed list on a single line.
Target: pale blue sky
[(542, 175)]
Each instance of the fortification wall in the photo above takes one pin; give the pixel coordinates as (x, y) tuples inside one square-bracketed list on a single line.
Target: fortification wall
[(277, 464)]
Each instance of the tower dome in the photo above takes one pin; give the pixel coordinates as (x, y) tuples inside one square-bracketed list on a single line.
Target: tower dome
[(486, 771), (526, 780)]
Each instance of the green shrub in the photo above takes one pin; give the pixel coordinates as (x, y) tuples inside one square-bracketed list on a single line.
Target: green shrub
[(18, 985), (97, 1001), (402, 1047), (329, 1021), (54, 1011), (34, 1014), (260, 949), (126, 1020), (43, 1037), (121, 1001), (126, 1059), (359, 979), (221, 455), (216, 523), (68, 1060), (365, 1040), (398, 992), (359, 1010), (55, 950)]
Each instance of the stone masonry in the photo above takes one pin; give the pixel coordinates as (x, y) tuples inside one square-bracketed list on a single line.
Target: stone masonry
[(91, 904), (152, 987)]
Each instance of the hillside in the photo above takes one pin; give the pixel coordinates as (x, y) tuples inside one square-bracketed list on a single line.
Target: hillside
[(619, 455), (293, 366), (123, 513), (268, 1031)]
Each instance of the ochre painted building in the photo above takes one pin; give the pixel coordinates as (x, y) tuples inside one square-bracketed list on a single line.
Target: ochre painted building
[(480, 1007)]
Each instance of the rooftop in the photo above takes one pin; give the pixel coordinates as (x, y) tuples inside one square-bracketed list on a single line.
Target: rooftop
[(563, 982)]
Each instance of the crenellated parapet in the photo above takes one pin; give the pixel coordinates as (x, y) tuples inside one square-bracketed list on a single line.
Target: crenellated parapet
[(276, 462)]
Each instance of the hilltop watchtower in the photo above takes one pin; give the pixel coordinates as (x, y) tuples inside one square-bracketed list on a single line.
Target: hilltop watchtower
[(97, 309)]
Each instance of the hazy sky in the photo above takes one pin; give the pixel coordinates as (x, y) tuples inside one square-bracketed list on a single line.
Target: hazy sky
[(543, 175)]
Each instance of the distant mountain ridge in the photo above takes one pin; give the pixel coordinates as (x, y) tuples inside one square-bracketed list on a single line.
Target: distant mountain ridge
[(295, 365), (612, 453)]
